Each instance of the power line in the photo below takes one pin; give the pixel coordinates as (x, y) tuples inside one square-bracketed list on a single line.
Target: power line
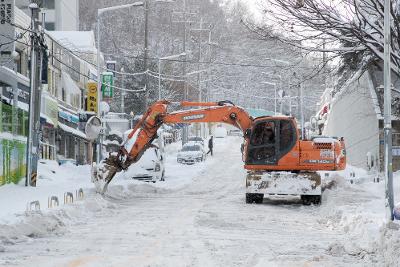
[(95, 65), (155, 58), (14, 39), (87, 76), (188, 61)]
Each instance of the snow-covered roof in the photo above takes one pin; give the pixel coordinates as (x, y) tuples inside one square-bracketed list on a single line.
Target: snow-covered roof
[(69, 129), (81, 40)]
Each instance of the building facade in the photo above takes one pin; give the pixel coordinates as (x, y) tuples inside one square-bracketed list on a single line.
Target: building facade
[(63, 100), (356, 113), (60, 15)]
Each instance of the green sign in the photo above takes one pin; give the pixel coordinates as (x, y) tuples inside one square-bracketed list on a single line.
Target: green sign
[(107, 84)]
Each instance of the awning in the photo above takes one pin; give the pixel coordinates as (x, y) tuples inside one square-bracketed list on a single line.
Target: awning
[(68, 116), (71, 130)]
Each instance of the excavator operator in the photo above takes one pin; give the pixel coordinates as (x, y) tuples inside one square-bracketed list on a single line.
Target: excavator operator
[(264, 135)]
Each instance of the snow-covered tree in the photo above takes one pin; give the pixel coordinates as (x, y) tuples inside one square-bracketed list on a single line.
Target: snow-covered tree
[(350, 30)]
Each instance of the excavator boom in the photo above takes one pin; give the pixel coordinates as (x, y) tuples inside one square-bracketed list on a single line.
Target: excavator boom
[(145, 131)]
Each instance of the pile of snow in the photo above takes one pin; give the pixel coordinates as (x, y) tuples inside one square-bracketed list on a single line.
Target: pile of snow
[(19, 225), (53, 180), (368, 235)]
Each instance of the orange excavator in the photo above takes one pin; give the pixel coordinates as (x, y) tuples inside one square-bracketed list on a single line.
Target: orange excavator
[(276, 160)]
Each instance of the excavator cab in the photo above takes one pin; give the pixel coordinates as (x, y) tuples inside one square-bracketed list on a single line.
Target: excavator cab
[(270, 139)]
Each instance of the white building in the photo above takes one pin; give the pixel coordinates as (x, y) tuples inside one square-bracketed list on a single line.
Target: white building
[(61, 15), (356, 113)]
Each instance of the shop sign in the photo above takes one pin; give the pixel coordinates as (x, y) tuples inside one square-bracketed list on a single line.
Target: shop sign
[(68, 117), (92, 97), (107, 84)]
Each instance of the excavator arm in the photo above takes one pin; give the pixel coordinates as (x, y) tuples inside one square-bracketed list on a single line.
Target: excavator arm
[(141, 137)]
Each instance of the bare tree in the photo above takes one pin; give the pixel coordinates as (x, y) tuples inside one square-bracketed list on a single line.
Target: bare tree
[(351, 30)]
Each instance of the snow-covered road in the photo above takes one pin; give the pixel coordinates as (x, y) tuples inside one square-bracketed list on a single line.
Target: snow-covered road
[(202, 223)]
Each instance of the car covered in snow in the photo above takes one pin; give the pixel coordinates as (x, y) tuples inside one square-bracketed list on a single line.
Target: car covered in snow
[(235, 132), (196, 139), (191, 153), (151, 166)]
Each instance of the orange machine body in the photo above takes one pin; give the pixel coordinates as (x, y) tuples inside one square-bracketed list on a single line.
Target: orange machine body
[(285, 152), (318, 154)]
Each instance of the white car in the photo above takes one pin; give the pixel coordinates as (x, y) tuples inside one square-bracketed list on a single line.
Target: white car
[(196, 139), (150, 167), (191, 153), (235, 132)]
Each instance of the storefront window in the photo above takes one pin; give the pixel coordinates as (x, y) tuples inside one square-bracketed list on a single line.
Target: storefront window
[(396, 139), (6, 117), (22, 125)]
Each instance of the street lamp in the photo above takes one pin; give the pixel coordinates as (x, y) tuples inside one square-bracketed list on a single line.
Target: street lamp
[(159, 69), (275, 98), (100, 11)]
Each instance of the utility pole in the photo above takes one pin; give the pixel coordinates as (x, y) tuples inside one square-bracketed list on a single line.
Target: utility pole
[(209, 66), (198, 70), (32, 156), (185, 129), (146, 47), (301, 109), (185, 88), (123, 92), (100, 11), (389, 202), (99, 93), (198, 65)]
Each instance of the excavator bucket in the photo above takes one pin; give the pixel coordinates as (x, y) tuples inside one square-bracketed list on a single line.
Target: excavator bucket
[(104, 172)]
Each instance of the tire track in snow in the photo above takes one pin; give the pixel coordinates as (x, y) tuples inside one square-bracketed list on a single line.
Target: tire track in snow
[(204, 223)]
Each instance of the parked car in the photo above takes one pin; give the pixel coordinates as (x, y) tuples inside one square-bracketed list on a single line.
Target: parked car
[(196, 139), (62, 161), (235, 132), (151, 166), (191, 153)]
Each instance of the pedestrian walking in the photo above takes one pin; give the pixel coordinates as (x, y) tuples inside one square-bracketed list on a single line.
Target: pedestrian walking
[(210, 146)]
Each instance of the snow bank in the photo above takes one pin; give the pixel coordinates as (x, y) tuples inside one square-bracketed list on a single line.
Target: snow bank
[(17, 225), (358, 209), (51, 222), (53, 180)]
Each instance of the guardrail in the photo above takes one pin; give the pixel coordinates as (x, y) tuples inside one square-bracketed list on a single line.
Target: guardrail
[(68, 198), (34, 204), (53, 201)]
